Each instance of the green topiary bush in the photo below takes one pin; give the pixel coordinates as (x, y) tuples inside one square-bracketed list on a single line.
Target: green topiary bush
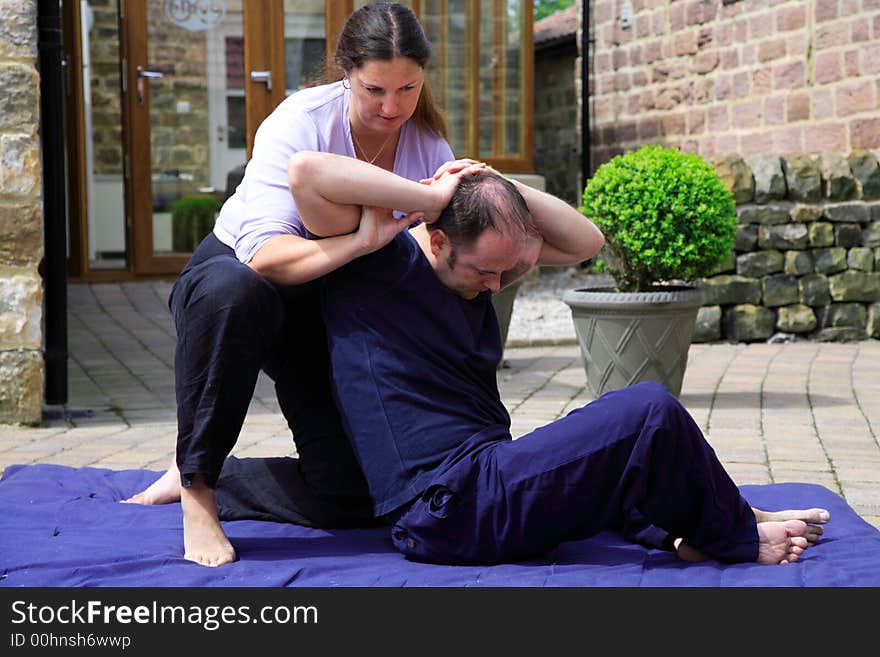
[(665, 214), (192, 217)]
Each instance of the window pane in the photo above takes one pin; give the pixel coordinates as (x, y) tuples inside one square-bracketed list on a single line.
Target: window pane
[(444, 23), (304, 36), (194, 72), (490, 67), (514, 97), (103, 126), (501, 106), (236, 125), (497, 78), (304, 62), (235, 120)]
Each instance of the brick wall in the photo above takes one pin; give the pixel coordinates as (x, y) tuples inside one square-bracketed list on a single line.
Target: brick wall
[(742, 77), (21, 217)]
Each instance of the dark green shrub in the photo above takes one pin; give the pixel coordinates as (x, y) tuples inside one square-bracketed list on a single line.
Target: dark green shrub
[(665, 214), (192, 217)]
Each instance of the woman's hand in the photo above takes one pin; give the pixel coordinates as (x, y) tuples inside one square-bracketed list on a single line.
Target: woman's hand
[(445, 182), (454, 166)]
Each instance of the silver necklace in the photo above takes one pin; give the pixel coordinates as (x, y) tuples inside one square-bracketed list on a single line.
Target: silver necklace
[(364, 153)]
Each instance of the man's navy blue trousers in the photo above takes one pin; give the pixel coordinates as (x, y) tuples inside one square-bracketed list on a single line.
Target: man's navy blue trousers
[(632, 460)]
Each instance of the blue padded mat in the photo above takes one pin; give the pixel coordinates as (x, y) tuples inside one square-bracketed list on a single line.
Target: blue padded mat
[(65, 527)]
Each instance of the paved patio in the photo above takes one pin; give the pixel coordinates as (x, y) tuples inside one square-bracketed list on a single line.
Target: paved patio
[(806, 412)]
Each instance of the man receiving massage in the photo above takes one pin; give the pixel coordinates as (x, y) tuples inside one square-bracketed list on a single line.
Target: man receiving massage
[(414, 344)]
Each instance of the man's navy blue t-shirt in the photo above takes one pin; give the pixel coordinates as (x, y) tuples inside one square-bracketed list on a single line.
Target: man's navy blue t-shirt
[(414, 368)]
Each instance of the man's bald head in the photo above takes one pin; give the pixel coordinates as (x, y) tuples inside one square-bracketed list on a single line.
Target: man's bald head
[(484, 201)]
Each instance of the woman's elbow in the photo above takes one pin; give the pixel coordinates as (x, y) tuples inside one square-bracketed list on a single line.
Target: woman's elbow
[(300, 167)]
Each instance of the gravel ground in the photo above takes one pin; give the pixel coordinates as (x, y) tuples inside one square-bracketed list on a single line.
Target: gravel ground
[(540, 316)]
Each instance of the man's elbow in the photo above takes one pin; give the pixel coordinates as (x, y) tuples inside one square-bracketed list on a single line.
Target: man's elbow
[(593, 245), (599, 242)]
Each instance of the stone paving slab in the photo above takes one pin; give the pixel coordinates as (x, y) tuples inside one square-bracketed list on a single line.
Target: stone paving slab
[(800, 411)]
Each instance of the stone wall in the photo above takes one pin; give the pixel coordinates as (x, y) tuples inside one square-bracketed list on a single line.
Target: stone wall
[(21, 217), (747, 77), (806, 260)]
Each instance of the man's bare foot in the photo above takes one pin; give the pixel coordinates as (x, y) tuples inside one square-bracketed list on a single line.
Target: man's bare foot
[(811, 516), (204, 540), (781, 542), (812, 533), (165, 490)]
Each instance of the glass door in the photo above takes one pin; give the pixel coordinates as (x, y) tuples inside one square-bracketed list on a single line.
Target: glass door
[(305, 35), (201, 78), (95, 153), (185, 100), (227, 125)]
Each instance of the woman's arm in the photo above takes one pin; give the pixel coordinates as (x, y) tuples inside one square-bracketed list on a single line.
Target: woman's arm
[(291, 259), (330, 189)]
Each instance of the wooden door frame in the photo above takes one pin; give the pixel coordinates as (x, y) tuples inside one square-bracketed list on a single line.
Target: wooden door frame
[(77, 210), (78, 263), (263, 53), (337, 11)]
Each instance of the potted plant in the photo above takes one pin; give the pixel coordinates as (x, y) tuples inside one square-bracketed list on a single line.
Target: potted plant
[(667, 219), (192, 217)]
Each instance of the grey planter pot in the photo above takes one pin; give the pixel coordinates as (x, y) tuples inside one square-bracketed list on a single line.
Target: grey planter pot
[(629, 337), (503, 302)]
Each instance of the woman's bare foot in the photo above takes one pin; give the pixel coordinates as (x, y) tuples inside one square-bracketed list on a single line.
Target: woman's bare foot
[(165, 490), (204, 540), (781, 542)]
